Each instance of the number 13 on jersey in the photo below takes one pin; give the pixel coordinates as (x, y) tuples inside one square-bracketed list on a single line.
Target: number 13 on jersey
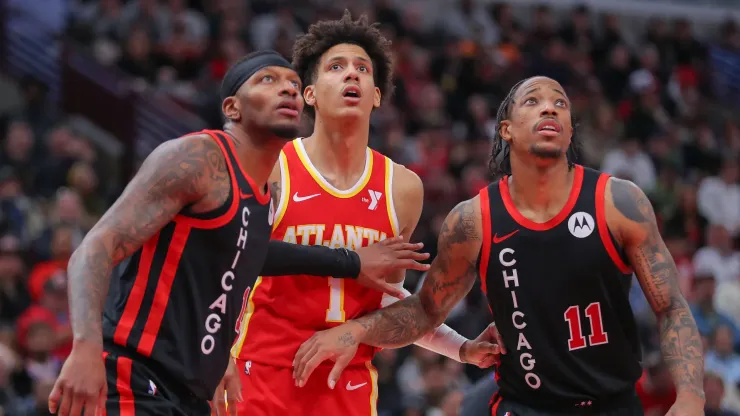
[(335, 313)]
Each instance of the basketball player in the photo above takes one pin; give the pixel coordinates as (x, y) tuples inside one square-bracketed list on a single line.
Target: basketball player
[(555, 245), (194, 226), (332, 190)]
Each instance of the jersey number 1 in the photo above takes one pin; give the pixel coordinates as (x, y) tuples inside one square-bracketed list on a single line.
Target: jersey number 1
[(577, 339), (335, 313)]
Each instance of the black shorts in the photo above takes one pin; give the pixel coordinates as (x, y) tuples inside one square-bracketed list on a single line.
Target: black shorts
[(134, 390), (629, 405)]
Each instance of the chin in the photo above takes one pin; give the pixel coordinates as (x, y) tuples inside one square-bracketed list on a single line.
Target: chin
[(285, 131), (545, 151)]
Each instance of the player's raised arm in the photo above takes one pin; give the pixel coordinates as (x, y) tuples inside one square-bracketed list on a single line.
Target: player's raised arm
[(450, 278), (631, 215), (173, 176)]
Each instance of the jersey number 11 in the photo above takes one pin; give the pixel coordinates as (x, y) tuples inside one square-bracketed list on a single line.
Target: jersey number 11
[(573, 318)]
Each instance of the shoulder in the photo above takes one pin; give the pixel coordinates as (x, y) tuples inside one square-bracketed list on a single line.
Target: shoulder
[(464, 223), (628, 209), (406, 183), (190, 163)]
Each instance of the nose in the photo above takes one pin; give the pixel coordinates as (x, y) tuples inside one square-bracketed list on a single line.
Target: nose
[(548, 109), (289, 89), (352, 74)]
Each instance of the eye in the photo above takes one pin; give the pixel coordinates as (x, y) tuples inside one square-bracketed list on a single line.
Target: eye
[(296, 84), (530, 101), (267, 78), (335, 67), (362, 68), (561, 103)]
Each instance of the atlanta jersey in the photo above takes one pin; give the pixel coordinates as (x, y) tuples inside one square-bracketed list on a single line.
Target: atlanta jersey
[(559, 295), (283, 312), (174, 306)]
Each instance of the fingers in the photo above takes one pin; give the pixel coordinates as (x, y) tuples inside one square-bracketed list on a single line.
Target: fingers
[(493, 332), (411, 265), (488, 348), (66, 402), (339, 366), (218, 405), (233, 387), (55, 397), (311, 365), (302, 351), (390, 290), (391, 241), (413, 255)]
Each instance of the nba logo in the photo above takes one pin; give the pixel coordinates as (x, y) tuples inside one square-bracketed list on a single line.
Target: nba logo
[(152, 388), (247, 367)]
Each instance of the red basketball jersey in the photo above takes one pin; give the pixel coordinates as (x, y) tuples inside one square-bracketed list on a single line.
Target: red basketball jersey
[(282, 312)]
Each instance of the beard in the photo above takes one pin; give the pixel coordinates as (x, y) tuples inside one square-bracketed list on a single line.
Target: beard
[(545, 152), (285, 131)]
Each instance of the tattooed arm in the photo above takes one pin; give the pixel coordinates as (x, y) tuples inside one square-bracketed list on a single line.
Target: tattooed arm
[(189, 170), (450, 278), (630, 214)]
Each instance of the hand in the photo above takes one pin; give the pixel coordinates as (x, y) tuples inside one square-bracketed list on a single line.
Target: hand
[(485, 349), (228, 392), (687, 405), (381, 259), (338, 344), (81, 383)]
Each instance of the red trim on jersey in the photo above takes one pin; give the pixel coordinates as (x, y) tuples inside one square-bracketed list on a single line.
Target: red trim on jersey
[(222, 220), (604, 228), (261, 198), (136, 296), (485, 211), (164, 287), (123, 385), (495, 401), (575, 190)]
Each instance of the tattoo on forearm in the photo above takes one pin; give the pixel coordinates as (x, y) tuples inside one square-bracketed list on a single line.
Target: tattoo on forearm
[(171, 177), (450, 278), (680, 340)]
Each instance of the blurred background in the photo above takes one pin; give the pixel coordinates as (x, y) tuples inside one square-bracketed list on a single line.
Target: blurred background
[(89, 88)]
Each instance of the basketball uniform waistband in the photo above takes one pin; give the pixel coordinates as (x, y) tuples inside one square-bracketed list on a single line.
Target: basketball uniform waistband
[(173, 383), (571, 406)]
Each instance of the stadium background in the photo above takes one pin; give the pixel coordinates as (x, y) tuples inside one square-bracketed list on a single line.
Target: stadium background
[(89, 88)]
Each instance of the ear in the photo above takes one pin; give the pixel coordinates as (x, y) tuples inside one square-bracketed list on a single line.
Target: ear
[(308, 95), (377, 97), (230, 108), (504, 129)]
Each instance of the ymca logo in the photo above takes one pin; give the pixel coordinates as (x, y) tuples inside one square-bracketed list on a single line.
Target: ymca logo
[(581, 224), (374, 199)]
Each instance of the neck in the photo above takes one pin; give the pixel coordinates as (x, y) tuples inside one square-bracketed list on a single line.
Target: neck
[(540, 187), (338, 149), (257, 152)]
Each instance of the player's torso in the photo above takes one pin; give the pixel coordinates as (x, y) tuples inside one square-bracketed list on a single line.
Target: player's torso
[(285, 311), (559, 295), (177, 300)]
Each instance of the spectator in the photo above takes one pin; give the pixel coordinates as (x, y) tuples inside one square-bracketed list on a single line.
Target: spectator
[(714, 389), (721, 358), (719, 197), (707, 318)]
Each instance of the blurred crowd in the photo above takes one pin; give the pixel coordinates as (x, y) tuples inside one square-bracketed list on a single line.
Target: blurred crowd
[(645, 103)]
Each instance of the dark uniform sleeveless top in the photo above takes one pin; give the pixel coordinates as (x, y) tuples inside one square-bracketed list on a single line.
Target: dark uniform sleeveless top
[(174, 304), (559, 294)]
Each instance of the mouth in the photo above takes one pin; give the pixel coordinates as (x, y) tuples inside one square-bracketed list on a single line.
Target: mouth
[(288, 108), (352, 91), (549, 127)]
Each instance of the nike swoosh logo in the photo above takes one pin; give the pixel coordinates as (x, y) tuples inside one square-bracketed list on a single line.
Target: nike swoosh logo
[(350, 387), (242, 195), (297, 198), (497, 239)]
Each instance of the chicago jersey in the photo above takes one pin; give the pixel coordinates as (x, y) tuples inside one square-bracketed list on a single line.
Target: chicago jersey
[(559, 294), (174, 305), (283, 312)]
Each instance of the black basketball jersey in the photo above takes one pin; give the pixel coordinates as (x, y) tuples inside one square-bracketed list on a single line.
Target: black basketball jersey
[(559, 294), (174, 304)]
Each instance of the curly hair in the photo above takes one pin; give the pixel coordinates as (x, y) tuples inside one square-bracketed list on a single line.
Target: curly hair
[(499, 164), (324, 35)]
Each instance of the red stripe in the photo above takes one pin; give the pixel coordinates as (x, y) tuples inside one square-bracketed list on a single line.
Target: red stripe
[(604, 228), (235, 195), (164, 287), (123, 385), (496, 399), (101, 409), (575, 190), (133, 303), (485, 211)]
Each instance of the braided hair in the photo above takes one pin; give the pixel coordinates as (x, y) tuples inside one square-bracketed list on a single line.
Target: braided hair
[(499, 164)]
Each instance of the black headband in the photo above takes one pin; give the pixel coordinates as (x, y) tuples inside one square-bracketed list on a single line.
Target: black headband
[(243, 70)]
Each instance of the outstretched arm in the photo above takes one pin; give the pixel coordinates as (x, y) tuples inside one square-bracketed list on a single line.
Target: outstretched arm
[(631, 215), (170, 178), (450, 278)]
